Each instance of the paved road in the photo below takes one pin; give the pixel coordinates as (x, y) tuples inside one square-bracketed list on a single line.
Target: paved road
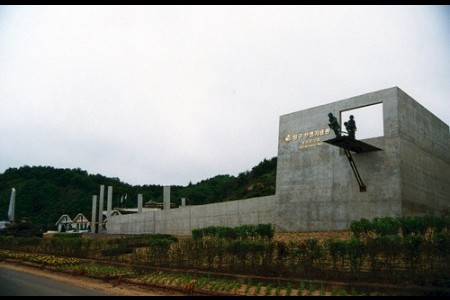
[(16, 283)]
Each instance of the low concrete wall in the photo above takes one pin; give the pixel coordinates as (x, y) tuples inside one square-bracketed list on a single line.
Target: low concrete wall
[(182, 220)]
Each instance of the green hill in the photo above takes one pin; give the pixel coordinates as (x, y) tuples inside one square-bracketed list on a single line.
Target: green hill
[(44, 193)]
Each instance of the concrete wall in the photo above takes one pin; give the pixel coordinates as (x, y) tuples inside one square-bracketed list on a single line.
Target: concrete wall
[(182, 220), (424, 159), (317, 189)]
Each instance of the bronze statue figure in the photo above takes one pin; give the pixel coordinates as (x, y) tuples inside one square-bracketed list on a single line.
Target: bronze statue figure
[(334, 125), (351, 127)]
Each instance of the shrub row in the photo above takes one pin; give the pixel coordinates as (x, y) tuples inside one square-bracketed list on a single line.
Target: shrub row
[(406, 255), (401, 226), (262, 231)]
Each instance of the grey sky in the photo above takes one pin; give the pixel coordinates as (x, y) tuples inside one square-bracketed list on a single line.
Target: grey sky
[(173, 94)]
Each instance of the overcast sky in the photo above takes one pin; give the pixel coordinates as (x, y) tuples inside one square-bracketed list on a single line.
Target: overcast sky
[(176, 94)]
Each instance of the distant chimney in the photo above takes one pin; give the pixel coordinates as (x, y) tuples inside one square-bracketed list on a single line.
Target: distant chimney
[(12, 205)]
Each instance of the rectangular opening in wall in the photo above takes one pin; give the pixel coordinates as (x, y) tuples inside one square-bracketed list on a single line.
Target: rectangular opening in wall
[(368, 121)]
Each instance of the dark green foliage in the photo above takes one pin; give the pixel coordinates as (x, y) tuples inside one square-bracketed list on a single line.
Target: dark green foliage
[(337, 250), (21, 228), (117, 251), (43, 194), (442, 242), (387, 247), (361, 228), (307, 254), (411, 259), (197, 234), (385, 226), (378, 226), (258, 182), (263, 231), (356, 252), (67, 244), (416, 225), (413, 249), (402, 226), (67, 235)]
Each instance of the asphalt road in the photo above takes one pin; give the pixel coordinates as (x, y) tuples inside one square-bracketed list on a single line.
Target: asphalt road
[(16, 283)]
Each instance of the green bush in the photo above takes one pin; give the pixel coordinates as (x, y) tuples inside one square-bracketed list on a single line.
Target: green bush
[(413, 249), (361, 228), (63, 235), (313, 252), (435, 223), (385, 226), (356, 251), (441, 241), (413, 225), (337, 250), (383, 251), (117, 251), (263, 231), (197, 234)]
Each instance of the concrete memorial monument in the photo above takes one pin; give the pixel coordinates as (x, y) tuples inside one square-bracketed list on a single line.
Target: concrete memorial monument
[(406, 171), (315, 187)]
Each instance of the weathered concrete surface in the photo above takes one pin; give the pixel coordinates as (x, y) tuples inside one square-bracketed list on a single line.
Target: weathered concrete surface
[(317, 189), (182, 220), (425, 159)]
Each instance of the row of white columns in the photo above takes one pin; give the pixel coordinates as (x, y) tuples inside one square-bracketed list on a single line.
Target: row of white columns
[(100, 209), (108, 208), (166, 206)]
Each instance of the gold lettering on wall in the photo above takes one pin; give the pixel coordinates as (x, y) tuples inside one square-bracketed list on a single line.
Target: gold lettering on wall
[(308, 139)]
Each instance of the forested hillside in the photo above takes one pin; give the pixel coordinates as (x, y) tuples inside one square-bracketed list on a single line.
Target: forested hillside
[(44, 193)]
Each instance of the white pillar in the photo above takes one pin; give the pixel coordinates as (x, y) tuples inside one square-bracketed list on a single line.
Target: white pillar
[(183, 201), (100, 209), (12, 205), (109, 205), (94, 213), (109, 202), (166, 203), (140, 200)]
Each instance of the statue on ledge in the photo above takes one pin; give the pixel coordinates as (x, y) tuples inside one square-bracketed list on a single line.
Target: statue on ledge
[(334, 125), (351, 127)]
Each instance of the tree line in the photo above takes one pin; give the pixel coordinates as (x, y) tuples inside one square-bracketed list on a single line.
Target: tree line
[(44, 193)]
